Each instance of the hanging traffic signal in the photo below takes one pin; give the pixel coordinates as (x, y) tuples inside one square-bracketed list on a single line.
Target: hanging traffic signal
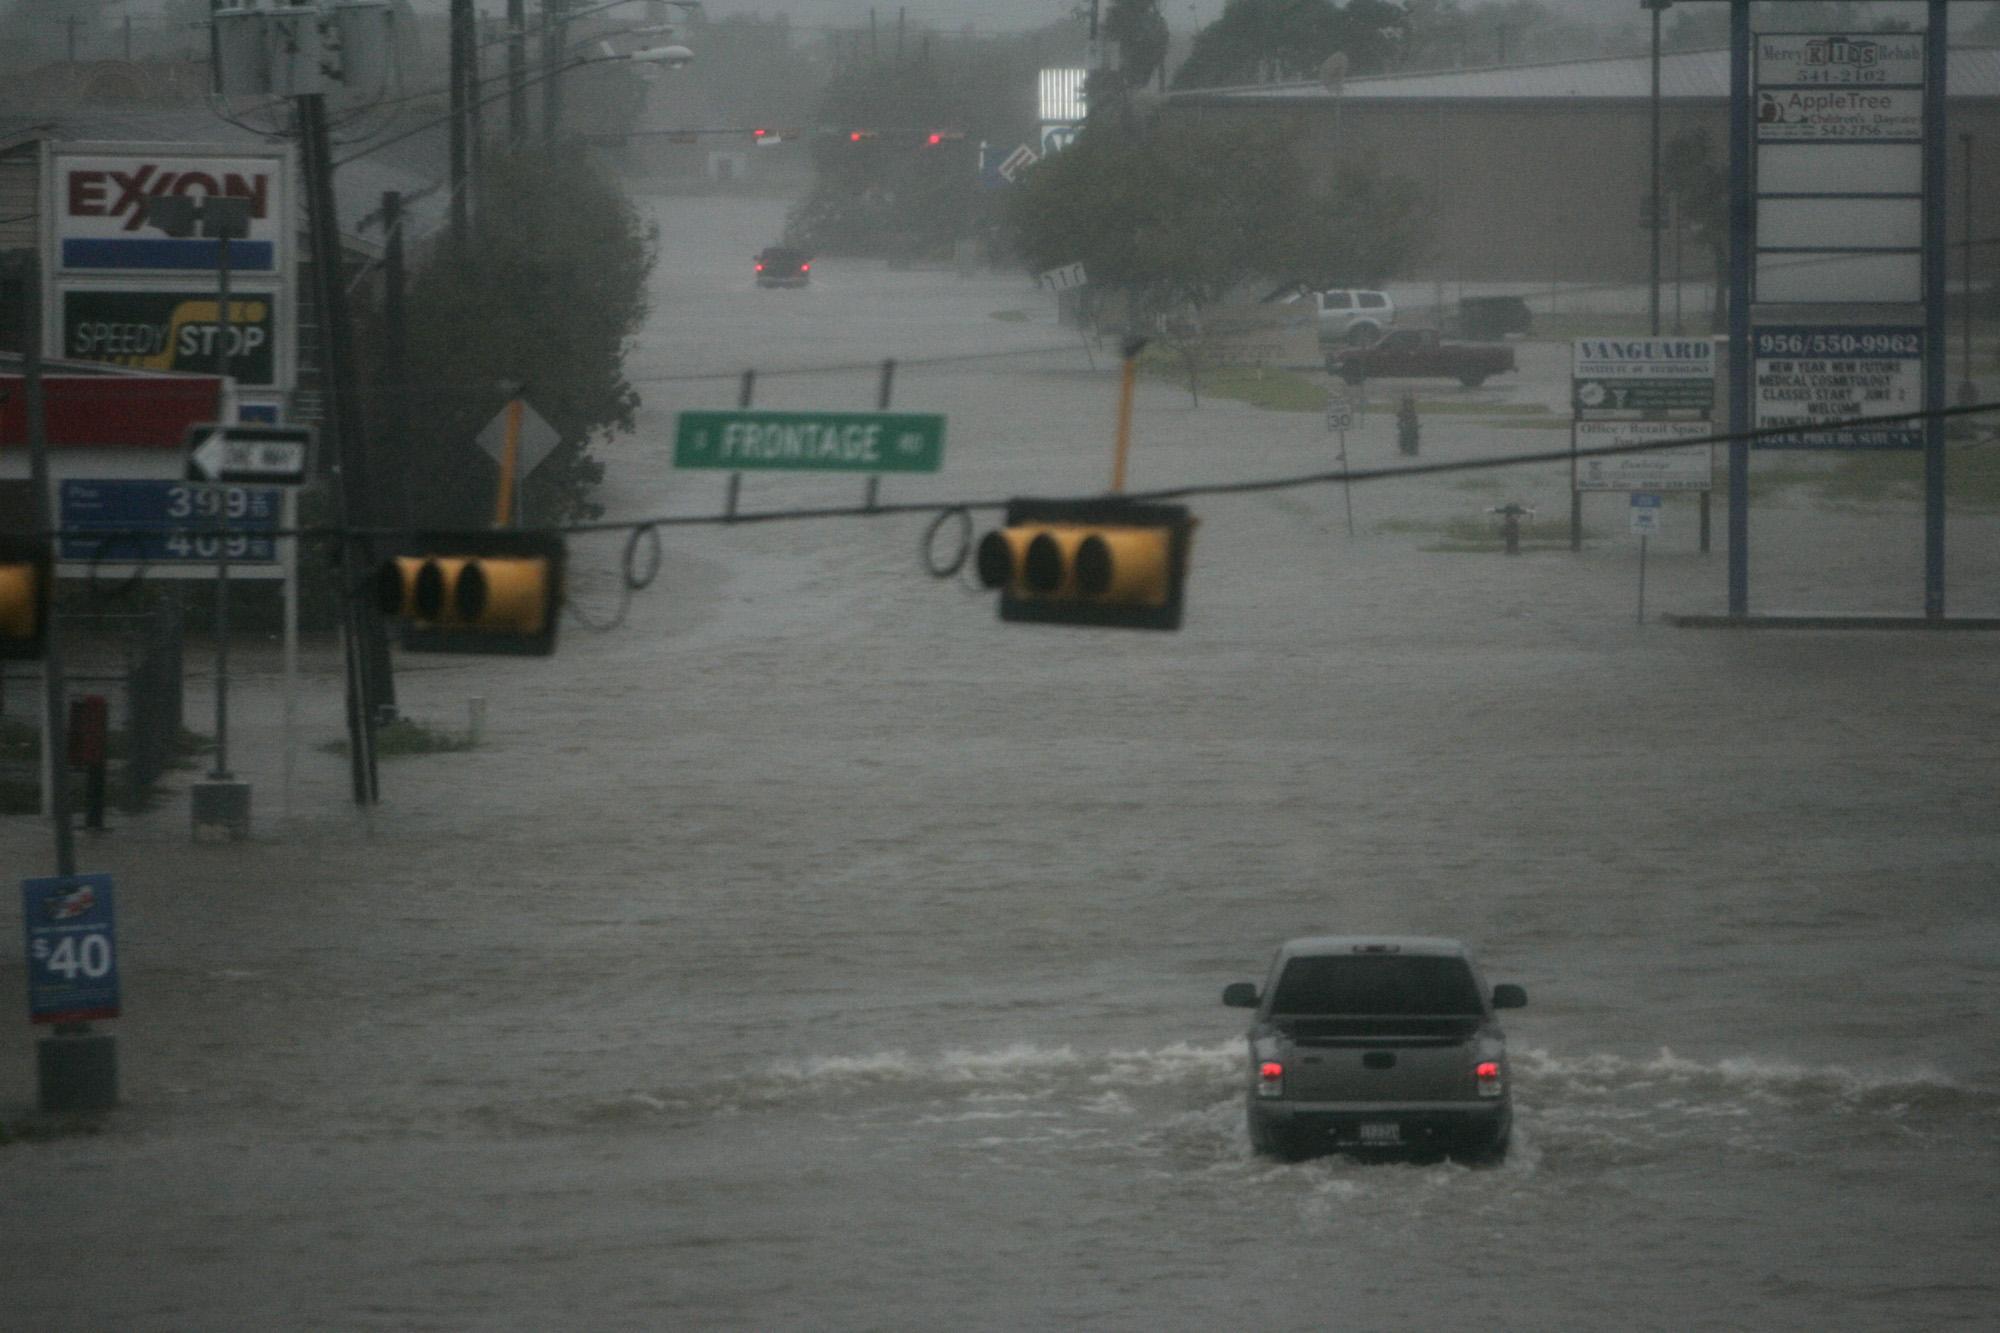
[(24, 597), (1089, 562), (475, 592)]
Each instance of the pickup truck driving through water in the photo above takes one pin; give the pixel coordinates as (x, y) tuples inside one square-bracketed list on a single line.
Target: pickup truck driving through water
[(1378, 1044), (1421, 354)]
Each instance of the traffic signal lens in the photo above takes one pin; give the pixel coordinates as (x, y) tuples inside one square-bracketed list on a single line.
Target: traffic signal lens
[(995, 559), (430, 592), (509, 596), (1125, 565), (1043, 569), (20, 604)]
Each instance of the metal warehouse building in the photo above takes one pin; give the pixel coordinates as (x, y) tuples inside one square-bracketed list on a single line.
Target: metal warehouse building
[(1538, 173)]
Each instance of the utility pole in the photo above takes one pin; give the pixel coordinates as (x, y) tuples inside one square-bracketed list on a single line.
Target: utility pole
[(517, 74), (459, 45), (1657, 7), (368, 681), (395, 343), (555, 36)]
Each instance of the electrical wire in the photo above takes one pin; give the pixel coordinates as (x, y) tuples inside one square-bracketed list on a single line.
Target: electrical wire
[(642, 558)]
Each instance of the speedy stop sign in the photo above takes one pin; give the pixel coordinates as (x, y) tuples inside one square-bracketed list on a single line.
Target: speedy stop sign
[(72, 948)]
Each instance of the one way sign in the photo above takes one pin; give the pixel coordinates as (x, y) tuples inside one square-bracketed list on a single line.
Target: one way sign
[(262, 455)]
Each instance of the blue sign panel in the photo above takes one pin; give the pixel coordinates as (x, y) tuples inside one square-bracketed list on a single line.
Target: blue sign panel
[(157, 252), (168, 522), (72, 948)]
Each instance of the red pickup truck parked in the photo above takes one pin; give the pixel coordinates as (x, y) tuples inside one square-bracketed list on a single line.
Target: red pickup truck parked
[(1421, 354)]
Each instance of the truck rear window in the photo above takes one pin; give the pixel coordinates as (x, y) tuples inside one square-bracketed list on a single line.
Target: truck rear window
[(1376, 984)]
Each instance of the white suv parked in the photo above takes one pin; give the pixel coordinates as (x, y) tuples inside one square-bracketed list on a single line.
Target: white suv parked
[(1347, 315)]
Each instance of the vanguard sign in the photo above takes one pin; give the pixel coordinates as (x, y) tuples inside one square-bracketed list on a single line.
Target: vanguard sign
[(100, 209)]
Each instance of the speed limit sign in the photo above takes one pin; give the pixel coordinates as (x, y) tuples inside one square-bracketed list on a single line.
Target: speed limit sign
[(72, 948), (1340, 413)]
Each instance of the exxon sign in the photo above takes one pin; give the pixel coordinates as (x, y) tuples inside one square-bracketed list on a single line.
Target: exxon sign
[(101, 224)]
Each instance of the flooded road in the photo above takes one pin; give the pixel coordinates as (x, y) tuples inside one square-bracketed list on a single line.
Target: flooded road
[(814, 950)]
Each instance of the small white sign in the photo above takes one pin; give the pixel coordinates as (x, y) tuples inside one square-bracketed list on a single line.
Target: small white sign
[(1865, 59), (270, 455), (1017, 162), (1646, 512), (1064, 278), (1339, 414), (1845, 115), (1687, 468)]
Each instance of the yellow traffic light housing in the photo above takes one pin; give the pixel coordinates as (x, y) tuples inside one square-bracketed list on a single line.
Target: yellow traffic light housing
[(25, 576), (475, 592), (1089, 562)]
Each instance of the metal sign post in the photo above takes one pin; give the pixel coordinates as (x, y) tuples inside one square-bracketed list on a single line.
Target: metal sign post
[(1646, 511), (1340, 414)]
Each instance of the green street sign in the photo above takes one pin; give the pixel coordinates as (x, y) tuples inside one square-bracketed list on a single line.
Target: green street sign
[(811, 441)]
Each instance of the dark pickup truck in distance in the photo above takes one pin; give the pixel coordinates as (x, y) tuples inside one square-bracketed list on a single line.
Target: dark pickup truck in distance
[(1421, 354)]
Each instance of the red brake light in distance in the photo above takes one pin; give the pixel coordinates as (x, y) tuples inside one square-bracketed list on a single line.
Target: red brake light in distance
[(760, 266), (1488, 1074), (805, 268), (1270, 1079)]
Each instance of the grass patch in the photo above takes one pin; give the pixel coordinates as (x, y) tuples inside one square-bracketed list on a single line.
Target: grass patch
[(1011, 316), (1259, 386), (1972, 477), (1565, 325), (404, 737), (1480, 533)]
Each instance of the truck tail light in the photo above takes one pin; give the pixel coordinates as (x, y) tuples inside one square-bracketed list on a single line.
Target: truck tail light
[(1490, 1082), (1270, 1079)]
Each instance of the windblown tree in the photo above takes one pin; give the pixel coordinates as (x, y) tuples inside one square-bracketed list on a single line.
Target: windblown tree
[(1141, 34), (1265, 40), (1177, 215), (546, 293), (1697, 181)]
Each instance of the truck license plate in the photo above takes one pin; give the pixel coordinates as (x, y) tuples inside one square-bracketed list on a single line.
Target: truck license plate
[(1384, 1133)]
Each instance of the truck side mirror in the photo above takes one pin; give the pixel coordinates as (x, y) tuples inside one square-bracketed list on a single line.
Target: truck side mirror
[(1240, 995), (1509, 996)]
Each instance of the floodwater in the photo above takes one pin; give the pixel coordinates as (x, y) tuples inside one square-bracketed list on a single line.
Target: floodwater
[(815, 951)]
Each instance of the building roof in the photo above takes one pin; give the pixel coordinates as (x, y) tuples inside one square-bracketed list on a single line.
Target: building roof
[(1685, 76)]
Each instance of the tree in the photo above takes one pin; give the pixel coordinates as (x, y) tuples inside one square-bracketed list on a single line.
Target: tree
[(1141, 35), (1698, 183), (1274, 39), (891, 191), (1179, 214), (1366, 227), (547, 292)]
